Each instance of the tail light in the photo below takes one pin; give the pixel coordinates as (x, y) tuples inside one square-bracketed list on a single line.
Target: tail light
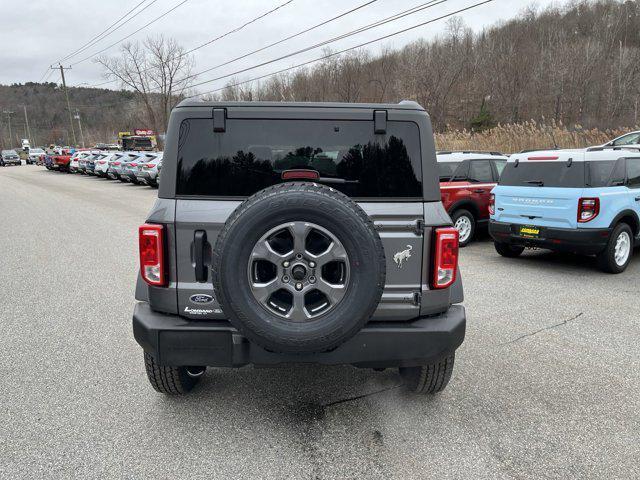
[(492, 204), (149, 165), (102, 162), (133, 164), (300, 174), (116, 163), (445, 258), (588, 209), (152, 263)]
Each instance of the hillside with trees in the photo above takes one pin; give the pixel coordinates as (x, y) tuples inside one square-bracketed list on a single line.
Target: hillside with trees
[(576, 66)]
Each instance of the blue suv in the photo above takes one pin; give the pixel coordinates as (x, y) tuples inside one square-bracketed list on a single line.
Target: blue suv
[(579, 201)]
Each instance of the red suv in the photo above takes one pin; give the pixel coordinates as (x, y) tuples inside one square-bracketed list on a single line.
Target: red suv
[(466, 181)]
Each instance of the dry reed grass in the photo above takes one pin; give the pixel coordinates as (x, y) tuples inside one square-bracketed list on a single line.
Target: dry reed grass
[(513, 138)]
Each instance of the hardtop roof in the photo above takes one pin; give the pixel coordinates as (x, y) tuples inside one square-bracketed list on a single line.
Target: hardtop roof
[(403, 105), (577, 155)]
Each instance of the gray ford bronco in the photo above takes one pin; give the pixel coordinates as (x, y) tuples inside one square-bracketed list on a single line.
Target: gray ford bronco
[(299, 233)]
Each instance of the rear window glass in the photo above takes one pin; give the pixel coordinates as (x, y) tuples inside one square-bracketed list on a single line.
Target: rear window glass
[(252, 154), (446, 170), (558, 174), (480, 171)]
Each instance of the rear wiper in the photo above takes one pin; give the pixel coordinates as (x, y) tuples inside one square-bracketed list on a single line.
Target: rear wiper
[(539, 183)]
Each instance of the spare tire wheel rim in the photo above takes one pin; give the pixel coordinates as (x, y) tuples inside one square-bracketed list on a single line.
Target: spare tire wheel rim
[(298, 271)]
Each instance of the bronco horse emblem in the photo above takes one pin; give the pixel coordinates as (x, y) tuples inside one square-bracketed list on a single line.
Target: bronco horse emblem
[(402, 257)]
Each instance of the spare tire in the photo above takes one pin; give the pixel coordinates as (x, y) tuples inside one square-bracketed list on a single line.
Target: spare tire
[(298, 267)]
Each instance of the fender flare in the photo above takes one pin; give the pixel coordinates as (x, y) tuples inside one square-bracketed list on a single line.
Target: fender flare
[(627, 213), (467, 205)]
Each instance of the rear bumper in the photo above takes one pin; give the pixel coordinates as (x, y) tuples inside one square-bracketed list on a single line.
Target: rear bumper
[(146, 177), (177, 341), (585, 241)]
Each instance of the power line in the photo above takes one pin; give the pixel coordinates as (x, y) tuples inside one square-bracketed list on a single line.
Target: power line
[(285, 39), (359, 30), (131, 34), (397, 16), (234, 30), (108, 31), (392, 18), (237, 29), (324, 57)]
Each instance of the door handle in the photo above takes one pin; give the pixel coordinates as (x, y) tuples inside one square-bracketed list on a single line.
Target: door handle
[(199, 242), (478, 190), (637, 199)]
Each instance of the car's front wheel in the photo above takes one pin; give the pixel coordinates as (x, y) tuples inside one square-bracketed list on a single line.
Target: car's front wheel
[(428, 379), (616, 256), (509, 251), (171, 380), (465, 223)]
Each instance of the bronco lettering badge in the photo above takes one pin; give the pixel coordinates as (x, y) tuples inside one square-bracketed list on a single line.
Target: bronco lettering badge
[(402, 257)]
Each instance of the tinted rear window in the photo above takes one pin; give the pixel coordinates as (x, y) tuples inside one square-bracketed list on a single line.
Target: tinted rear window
[(446, 170), (252, 154), (558, 174)]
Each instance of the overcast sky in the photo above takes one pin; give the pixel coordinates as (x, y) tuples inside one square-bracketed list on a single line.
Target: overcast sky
[(52, 30)]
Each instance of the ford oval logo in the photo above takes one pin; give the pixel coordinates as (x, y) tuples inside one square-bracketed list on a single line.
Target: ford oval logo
[(201, 298)]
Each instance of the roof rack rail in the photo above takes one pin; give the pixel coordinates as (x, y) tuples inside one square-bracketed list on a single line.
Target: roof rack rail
[(479, 152), (618, 148)]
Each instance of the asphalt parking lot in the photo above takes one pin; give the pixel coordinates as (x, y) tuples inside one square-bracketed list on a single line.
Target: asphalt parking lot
[(546, 384)]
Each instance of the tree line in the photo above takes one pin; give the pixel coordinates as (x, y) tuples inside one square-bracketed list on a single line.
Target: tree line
[(574, 64)]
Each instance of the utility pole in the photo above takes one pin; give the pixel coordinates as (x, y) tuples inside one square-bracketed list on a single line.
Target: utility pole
[(66, 94), (8, 114), (26, 122), (77, 117)]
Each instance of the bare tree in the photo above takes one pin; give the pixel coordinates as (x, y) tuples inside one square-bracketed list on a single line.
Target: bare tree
[(158, 70)]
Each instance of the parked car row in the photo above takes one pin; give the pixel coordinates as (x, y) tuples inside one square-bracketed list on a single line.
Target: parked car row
[(133, 167), (584, 201)]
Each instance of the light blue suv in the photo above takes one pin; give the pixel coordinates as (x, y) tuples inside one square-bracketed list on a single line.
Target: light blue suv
[(580, 201)]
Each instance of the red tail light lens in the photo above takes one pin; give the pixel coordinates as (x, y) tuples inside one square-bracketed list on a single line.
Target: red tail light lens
[(133, 164), (116, 163), (300, 174), (102, 162), (588, 209), (445, 259), (149, 165), (152, 264), (492, 204)]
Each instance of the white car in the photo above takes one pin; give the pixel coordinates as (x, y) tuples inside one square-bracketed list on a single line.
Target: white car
[(74, 163), (631, 139), (102, 164), (36, 156)]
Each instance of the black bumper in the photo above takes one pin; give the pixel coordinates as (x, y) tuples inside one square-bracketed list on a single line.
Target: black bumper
[(176, 341), (583, 241)]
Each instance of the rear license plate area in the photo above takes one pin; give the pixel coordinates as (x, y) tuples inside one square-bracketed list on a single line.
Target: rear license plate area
[(529, 231)]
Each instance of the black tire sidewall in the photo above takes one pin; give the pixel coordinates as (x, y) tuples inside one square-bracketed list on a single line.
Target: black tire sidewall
[(607, 259), (366, 260)]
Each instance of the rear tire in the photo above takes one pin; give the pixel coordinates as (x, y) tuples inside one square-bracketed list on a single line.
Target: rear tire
[(465, 223), (171, 380), (616, 256), (428, 379), (509, 251)]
